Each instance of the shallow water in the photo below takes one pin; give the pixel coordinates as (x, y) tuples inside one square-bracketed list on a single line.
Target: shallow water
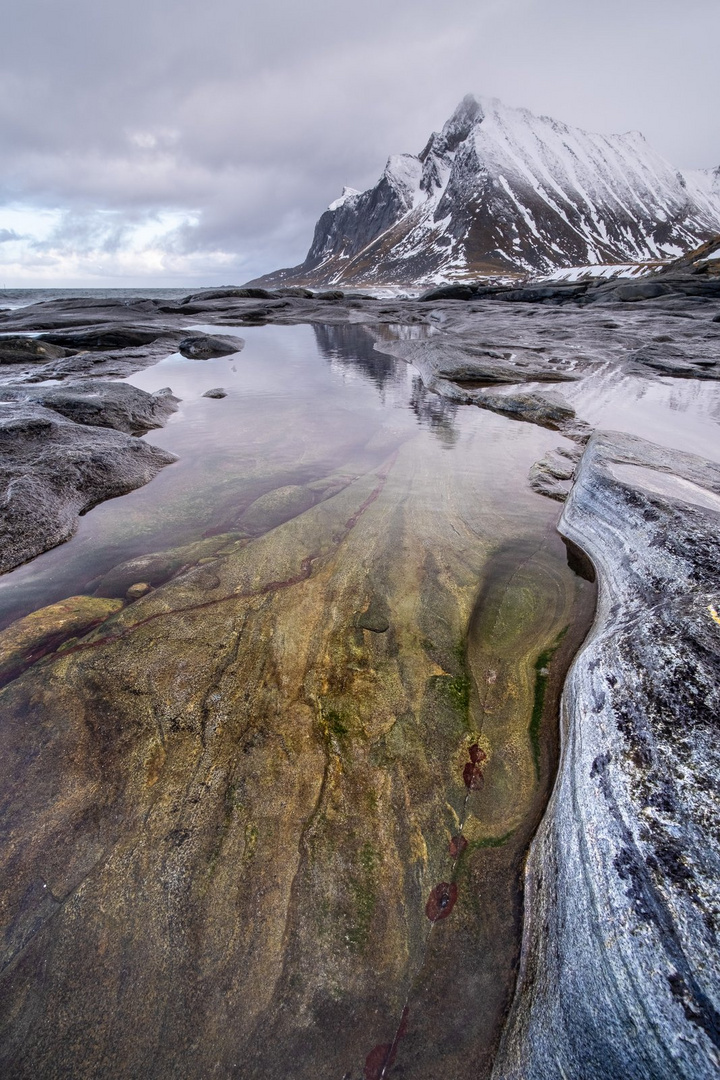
[(237, 796), (302, 403)]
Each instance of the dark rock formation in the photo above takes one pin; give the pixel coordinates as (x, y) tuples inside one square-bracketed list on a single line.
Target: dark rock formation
[(100, 404), (216, 392), (619, 975), (21, 350), (52, 470), (205, 346)]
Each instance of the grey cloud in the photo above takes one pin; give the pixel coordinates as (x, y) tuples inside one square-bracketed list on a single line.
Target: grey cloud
[(253, 117)]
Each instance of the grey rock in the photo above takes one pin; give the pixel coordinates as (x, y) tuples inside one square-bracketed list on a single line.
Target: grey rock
[(100, 404), (21, 350), (548, 410), (448, 292), (52, 470), (552, 476), (228, 294), (102, 337), (620, 969), (217, 392), (643, 290), (206, 347)]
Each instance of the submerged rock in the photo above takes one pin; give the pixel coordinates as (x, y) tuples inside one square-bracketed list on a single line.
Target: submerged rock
[(25, 641), (276, 507), (620, 972), (157, 567)]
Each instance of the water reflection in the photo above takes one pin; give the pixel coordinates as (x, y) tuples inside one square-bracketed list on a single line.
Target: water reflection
[(434, 412), (354, 346)]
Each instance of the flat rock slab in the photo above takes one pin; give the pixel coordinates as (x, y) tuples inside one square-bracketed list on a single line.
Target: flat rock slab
[(52, 470), (620, 972)]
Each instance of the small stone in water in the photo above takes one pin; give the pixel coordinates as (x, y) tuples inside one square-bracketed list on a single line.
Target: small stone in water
[(217, 392), (137, 590)]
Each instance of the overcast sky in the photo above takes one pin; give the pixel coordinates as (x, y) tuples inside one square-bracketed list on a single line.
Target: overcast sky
[(196, 142)]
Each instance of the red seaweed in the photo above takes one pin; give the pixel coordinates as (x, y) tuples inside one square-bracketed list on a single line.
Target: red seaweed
[(477, 754), (472, 775), (457, 845), (441, 901), (382, 1056)]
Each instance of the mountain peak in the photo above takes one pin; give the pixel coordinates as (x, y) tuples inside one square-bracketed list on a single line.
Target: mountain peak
[(468, 113), (500, 190)]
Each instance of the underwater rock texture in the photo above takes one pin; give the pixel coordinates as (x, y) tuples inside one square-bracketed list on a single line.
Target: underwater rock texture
[(620, 973)]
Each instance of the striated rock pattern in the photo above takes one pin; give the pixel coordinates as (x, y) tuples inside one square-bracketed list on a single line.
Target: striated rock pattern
[(620, 973)]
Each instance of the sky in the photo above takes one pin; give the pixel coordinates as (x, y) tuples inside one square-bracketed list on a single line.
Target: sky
[(177, 143)]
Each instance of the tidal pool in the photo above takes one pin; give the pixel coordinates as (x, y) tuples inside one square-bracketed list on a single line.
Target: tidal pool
[(269, 819)]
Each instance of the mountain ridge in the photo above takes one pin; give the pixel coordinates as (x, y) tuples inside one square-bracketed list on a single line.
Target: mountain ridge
[(500, 191)]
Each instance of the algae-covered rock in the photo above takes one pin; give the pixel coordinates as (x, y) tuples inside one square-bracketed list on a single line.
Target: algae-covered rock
[(24, 641), (237, 802)]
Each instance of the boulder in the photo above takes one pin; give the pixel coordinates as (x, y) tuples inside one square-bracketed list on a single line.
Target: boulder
[(100, 404), (207, 347), (448, 292), (217, 392), (52, 470), (23, 350)]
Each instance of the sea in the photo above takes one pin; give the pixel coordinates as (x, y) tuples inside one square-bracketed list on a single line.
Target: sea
[(15, 298)]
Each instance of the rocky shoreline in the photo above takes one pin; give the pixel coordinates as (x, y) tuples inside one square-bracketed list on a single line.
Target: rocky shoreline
[(621, 888), (499, 348)]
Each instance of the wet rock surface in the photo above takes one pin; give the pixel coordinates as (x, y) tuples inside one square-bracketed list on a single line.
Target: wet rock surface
[(619, 973), (99, 404), (52, 470), (206, 346)]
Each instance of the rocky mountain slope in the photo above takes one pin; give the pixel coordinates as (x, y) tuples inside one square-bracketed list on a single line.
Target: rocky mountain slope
[(502, 191)]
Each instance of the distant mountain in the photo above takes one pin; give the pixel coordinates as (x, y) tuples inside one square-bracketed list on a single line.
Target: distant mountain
[(502, 191)]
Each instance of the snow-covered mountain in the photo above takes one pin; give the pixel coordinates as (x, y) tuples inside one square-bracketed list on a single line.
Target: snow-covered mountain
[(500, 190)]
